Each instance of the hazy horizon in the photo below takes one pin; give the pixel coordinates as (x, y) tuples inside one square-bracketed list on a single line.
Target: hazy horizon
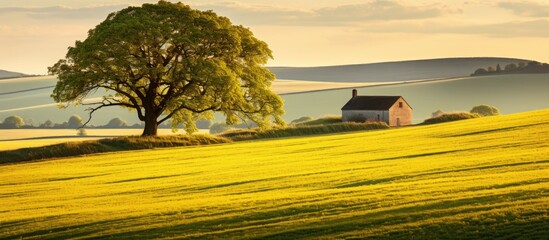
[(34, 34)]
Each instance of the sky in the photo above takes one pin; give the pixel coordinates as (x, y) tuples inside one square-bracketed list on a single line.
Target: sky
[(34, 34)]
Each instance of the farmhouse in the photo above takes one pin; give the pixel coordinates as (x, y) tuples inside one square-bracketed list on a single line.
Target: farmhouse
[(393, 110)]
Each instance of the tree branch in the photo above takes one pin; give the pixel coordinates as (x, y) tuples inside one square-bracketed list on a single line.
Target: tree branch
[(92, 110), (130, 97), (212, 108)]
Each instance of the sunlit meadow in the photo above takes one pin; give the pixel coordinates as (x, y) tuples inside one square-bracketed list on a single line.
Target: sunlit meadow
[(484, 177)]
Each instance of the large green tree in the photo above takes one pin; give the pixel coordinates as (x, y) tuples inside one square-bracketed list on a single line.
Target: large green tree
[(168, 61)]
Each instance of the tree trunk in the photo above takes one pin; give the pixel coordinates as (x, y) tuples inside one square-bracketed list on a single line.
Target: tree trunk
[(151, 127)]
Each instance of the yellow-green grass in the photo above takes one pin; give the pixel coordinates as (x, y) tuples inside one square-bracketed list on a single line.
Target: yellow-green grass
[(480, 178), (31, 143)]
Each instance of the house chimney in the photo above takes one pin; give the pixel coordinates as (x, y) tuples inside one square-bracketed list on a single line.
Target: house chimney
[(355, 93)]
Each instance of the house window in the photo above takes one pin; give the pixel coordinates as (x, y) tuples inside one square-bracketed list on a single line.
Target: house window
[(400, 104)]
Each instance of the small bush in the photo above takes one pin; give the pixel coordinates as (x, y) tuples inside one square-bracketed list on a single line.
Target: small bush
[(292, 131), (449, 117), (81, 132), (107, 145), (485, 110)]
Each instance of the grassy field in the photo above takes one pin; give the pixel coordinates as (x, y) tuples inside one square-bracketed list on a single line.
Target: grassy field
[(482, 178)]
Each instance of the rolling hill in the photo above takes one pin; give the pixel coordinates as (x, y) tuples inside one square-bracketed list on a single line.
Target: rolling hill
[(30, 98), (392, 71), (474, 179), (510, 93), (8, 74)]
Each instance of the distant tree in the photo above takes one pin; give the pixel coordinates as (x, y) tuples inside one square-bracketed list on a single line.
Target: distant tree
[(29, 122), (534, 63), (219, 128), (437, 113), (116, 123), (75, 121), (521, 67), (47, 124), (203, 123), (167, 61), (13, 122), (480, 71), (498, 68), (245, 124), (511, 67), (485, 110)]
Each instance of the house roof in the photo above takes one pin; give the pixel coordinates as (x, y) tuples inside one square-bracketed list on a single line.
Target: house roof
[(371, 103)]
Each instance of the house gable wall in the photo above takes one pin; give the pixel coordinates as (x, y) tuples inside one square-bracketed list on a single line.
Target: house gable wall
[(397, 113)]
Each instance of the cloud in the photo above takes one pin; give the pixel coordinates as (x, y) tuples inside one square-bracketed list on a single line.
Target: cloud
[(526, 8), (517, 29), (376, 10), (257, 14), (380, 10), (514, 29), (60, 12)]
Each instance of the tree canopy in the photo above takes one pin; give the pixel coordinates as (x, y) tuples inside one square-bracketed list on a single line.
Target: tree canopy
[(75, 121), (12, 122), (168, 61)]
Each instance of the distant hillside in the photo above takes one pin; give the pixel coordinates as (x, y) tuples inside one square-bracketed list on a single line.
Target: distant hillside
[(392, 71), (30, 98), (8, 74), (510, 93)]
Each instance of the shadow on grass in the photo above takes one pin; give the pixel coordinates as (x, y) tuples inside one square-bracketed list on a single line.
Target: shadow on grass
[(62, 232), (430, 221), (146, 178), (411, 176), (399, 223), (505, 129)]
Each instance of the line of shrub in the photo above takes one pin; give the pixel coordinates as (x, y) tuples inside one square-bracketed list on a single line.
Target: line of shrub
[(320, 121), (449, 117), (107, 145), (71, 149), (302, 130)]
